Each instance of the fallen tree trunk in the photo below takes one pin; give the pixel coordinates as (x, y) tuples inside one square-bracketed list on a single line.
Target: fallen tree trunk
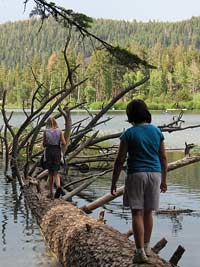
[(78, 239)]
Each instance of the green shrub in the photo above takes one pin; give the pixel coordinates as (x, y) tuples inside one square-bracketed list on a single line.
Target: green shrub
[(155, 105), (96, 105), (196, 101), (120, 105)]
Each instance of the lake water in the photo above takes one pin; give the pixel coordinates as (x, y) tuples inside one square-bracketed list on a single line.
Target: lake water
[(22, 244)]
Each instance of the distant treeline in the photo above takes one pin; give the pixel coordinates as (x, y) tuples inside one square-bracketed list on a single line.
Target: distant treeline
[(172, 47)]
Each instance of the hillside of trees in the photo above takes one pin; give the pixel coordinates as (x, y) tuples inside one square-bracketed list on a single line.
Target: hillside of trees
[(172, 47)]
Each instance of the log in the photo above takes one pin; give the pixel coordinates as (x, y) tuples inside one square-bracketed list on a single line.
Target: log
[(78, 239), (182, 162), (89, 180), (177, 255), (129, 233), (101, 216), (174, 211), (102, 200), (78, 189), (159, 246)]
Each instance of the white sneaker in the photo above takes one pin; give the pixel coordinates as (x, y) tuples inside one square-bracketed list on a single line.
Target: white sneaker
[(140, 257), (147, 251)]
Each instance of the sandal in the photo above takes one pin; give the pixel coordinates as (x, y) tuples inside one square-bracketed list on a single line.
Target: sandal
[(58, 192), (50, 195), (62, 192)]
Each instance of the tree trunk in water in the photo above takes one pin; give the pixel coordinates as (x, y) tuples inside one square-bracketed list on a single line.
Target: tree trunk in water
[(78, 239)]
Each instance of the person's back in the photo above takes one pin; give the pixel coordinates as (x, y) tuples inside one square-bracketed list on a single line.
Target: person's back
[(143, 141), (146, 174), (53, 136), (52, 141)]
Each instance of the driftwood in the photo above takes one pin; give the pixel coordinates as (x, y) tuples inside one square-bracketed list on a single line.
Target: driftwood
[(80, 240), (174, 211), (159, 246), (177, 255), (88, 181)]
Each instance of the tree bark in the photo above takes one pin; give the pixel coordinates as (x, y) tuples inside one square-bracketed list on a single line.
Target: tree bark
[(80, 240)]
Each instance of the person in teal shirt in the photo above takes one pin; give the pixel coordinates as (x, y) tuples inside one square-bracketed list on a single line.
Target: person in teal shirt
[(143, 145)]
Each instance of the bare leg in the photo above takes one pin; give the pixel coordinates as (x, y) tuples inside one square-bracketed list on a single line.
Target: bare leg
[(148, 225), (50, 177), (57, 179), (138, 227)]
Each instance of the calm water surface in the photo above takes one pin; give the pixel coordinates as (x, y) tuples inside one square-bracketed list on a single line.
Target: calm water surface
[(22, 244)]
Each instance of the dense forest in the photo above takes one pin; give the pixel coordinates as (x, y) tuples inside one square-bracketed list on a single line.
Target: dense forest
[(174, 48)]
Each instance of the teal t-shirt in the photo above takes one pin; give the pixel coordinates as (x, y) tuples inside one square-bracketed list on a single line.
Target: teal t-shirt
[(143, 148)]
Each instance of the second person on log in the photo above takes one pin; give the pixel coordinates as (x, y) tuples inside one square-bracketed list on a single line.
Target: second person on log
[(53, 139), (146, 173)]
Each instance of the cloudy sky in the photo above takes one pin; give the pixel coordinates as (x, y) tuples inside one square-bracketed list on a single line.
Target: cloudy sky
[(141, 10)]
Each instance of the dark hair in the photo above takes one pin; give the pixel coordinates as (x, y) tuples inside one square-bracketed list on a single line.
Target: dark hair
[(137, 112)]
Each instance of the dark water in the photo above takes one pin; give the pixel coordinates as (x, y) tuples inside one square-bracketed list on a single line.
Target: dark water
[(22, 244)]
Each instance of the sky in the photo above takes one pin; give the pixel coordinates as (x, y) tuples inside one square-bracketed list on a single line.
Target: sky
[(129, 10)]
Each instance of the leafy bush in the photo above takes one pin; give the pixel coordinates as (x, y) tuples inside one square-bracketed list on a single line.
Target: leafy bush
[(120, 105), (96, 105), (196, 101), (155, 106)]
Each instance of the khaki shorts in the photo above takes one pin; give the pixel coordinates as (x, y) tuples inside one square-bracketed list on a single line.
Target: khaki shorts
[(142, 190)]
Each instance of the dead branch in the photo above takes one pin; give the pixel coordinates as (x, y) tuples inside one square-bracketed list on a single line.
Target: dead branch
[(176, 123), (6, 120), (159, 246), (68, 126), (82, 146), (84, 185), (174, 211), (66, 186), (177, 255)]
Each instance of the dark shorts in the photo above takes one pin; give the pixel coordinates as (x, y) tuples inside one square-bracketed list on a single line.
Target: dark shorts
[(53, 157), (142, 190)]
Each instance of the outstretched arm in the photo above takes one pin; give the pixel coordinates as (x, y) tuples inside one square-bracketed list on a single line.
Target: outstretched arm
[(118, 165)]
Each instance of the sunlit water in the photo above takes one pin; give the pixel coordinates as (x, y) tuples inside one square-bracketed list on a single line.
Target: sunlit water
[(22, 244)]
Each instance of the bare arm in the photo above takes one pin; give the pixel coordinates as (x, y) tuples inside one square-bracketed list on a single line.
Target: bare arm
[(62, 139), (163, 161), (118, 165)]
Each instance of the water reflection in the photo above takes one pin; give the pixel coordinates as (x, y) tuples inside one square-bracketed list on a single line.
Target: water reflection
[(21, 243), (4, 223), (176, 222)]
